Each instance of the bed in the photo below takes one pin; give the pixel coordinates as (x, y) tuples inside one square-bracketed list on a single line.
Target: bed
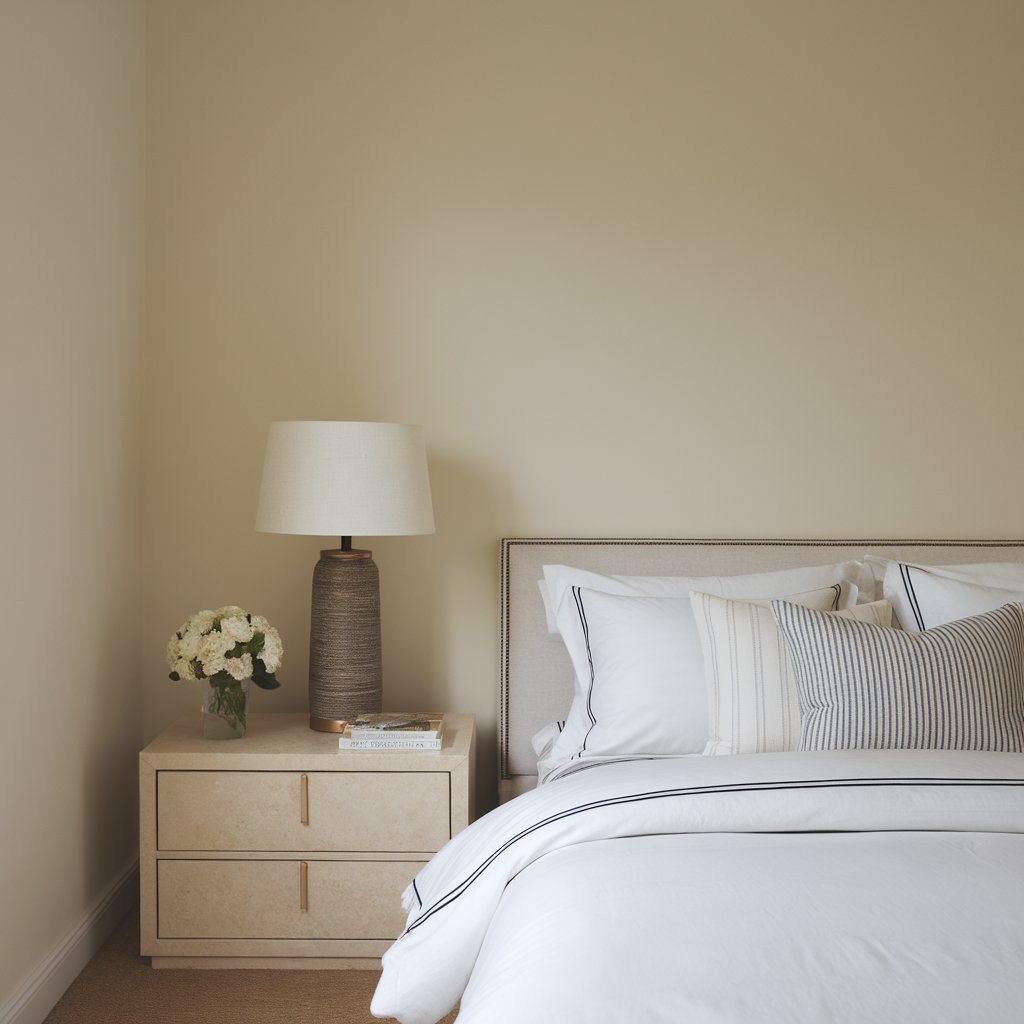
[(772, 781)]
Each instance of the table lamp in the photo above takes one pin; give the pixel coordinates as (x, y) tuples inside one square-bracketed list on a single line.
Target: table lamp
[(344, 479)]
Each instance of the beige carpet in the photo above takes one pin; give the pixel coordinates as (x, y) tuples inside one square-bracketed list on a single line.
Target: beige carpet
[(119, 987)]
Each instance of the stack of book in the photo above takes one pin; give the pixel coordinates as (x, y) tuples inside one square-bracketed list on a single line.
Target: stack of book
[(393, 731)]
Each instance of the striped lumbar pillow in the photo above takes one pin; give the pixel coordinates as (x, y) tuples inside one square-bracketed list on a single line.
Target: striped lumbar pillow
[(956, 687), (753, 703)]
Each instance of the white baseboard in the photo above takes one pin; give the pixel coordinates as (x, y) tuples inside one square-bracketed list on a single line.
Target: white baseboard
[(50, 980)]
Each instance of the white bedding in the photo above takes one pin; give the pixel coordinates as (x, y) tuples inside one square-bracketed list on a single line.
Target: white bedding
[(853, 886)]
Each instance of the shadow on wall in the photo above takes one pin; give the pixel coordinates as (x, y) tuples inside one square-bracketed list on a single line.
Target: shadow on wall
[(439, 606), (109, 771)]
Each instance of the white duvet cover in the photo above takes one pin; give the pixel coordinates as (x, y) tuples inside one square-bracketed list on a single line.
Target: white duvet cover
[(804, 888)]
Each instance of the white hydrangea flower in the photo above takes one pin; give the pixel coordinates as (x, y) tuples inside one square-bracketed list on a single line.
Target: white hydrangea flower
[(273, 649), (237, 628), (230, 611), (201, 622), (212, 650), (184, 668), (213, 665), (189, 644), (239, 668)]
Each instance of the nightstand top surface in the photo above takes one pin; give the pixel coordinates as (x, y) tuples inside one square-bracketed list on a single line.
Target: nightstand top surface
[(284, 741)]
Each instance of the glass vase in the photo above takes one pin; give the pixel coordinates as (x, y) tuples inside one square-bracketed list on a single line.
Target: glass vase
[(224, 707)]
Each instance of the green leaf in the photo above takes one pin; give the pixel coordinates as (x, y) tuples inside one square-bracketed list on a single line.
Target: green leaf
[(263, 679), (175, 676)]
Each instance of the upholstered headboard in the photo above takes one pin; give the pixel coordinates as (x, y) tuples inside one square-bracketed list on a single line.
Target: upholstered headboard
[(536, 675)]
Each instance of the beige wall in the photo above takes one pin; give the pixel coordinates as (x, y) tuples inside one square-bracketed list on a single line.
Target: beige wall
[(648, 268), (71, 297)]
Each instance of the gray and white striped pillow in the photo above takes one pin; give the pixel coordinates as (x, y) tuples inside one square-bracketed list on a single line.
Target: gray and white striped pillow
[(955, 687)]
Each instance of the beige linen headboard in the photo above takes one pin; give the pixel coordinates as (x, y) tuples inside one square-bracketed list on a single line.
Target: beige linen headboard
[(536, 675)]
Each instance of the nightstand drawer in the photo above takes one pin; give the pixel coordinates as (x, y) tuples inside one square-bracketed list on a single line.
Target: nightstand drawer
[(278, 899), (295, 811)]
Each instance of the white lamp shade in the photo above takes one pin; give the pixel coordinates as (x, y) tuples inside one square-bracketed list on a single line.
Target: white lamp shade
[(345, 479)]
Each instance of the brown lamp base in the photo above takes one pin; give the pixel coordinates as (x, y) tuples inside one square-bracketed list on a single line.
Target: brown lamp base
[(345, 678)]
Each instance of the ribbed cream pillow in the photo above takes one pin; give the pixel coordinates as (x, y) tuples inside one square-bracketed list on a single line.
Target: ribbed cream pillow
[(753, 700)]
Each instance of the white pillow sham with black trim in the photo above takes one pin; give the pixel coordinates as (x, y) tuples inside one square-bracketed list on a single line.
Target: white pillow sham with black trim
[(543, 743), (644, 695), (562, 579), (923, 596)]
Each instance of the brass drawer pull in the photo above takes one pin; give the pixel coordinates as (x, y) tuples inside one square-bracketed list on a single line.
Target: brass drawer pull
[(304, 800), (303, 885)]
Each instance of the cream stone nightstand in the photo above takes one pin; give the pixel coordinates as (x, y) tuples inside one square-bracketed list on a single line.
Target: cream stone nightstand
[(279, 850)]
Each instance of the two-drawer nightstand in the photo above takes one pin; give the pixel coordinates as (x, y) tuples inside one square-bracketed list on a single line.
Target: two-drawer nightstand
[(280, 850)]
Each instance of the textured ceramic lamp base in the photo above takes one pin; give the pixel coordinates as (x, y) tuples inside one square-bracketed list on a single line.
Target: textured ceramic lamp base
[(344, 639)]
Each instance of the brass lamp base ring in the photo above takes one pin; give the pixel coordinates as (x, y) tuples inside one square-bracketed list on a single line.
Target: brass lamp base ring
[(327, 724)]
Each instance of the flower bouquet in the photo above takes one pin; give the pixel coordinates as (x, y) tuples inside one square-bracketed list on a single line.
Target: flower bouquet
[(227, 648)]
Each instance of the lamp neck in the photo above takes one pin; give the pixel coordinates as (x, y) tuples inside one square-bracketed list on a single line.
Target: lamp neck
[(346, 551)]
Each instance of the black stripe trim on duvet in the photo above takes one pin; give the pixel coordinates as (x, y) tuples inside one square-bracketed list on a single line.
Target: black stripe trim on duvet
[(582, 766), (684, 791)]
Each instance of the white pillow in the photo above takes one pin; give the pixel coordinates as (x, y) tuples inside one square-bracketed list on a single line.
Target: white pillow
[(924, 596), (543, 743), (562, 579), (753, 699), (996, 574), (644, 696)]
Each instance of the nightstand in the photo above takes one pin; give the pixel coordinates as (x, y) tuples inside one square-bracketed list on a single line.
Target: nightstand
[(280, 850)]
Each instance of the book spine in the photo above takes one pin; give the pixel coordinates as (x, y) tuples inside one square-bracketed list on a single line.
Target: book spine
[(387, 734), (378, 743)]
